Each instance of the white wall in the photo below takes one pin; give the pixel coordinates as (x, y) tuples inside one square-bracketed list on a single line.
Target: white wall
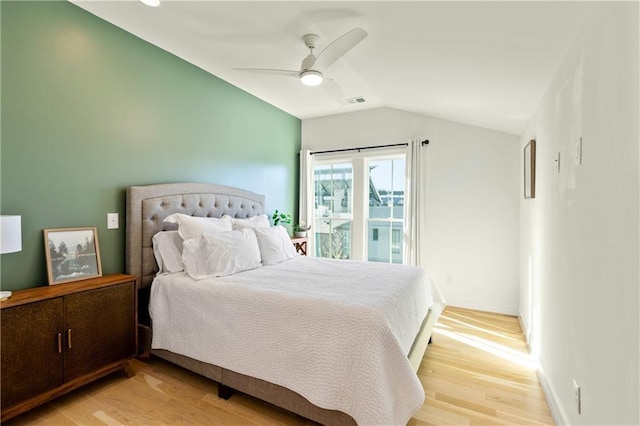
[(579, 270), (471, 188)]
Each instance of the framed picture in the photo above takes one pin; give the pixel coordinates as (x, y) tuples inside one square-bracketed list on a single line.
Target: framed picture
[(530, 169), (72, 254)]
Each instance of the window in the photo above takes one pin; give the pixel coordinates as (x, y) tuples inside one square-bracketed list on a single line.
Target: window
[(359, 207), (333, 198), (386, 209)]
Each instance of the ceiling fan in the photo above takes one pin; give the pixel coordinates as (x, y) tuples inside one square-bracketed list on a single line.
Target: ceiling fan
[(312, 69)]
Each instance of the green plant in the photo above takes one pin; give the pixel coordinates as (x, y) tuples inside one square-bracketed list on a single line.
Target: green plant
[(301, 227), (281, 218)]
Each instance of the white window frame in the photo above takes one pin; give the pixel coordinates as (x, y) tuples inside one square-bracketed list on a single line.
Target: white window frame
[(390, 220), (360, 192)]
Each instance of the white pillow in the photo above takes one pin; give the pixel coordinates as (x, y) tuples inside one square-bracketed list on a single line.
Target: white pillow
[(275, 245), (260, 221), (217, 254), (193, 227), (167, 248)]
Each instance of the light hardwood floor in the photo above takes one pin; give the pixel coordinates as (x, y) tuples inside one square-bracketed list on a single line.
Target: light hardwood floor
[(475, 372)]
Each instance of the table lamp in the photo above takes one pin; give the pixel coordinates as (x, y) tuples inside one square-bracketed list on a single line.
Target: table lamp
[(10, 240)]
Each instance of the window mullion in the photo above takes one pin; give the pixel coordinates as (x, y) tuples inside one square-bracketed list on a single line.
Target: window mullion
[(359, 222)]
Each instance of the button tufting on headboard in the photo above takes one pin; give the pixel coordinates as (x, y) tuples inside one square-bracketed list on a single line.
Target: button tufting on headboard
[(148, 206)]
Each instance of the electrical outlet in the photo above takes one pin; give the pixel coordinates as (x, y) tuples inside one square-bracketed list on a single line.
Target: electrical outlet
[(576, 394), (557, 160), (113, 221)]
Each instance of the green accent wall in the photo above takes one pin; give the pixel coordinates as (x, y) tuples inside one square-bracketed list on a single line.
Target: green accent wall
[(89, 109)]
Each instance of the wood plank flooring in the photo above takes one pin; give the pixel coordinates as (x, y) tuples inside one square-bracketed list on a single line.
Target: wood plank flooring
[(476, 372)]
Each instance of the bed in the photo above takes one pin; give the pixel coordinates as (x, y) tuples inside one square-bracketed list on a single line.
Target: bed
[(284, 378)]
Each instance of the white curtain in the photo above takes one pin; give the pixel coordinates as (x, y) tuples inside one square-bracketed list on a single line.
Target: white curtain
[(414, 208), (307, 196)]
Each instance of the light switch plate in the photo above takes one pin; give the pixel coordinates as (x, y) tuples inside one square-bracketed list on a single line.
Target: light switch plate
[(578, 157), (113, 221)]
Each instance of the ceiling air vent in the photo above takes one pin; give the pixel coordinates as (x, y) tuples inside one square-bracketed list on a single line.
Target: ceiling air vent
[(351, 101)]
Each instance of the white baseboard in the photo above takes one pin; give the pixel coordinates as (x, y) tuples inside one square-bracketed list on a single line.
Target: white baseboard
[(485, 307), (525, 332), (557, 412)]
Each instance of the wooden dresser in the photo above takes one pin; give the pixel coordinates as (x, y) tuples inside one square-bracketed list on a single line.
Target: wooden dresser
[(57, 338)]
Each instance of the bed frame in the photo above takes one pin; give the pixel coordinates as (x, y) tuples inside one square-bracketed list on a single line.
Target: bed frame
[(147, 207)]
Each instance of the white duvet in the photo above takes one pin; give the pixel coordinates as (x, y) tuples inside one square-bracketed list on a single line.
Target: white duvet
[(335, 331)]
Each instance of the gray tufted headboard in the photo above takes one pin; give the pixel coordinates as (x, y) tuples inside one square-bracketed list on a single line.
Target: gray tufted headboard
[(148, 206)]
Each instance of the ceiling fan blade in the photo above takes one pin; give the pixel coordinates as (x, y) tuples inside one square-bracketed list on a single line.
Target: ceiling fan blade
[(285, 73), (339, 47), (333, 89)]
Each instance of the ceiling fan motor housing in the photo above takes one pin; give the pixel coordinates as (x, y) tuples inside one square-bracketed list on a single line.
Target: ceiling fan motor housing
[(308, 62), (311, 41)]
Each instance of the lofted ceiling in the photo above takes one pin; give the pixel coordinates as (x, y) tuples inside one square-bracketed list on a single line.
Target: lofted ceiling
[(481, 63)]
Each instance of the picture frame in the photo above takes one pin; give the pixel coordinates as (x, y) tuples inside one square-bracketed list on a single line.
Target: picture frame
[(530, 169), (73, 254)]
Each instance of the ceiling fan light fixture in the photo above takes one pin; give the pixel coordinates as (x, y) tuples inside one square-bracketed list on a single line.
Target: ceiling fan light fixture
[(151, 3), (311, 78)]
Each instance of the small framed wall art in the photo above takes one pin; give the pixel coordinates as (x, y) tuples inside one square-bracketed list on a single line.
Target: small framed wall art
[(530, 169), (72, 254)]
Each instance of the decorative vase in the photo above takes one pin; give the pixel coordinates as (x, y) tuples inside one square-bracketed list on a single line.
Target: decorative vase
[(301, 234)]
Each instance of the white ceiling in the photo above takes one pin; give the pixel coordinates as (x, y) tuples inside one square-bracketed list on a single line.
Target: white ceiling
[(481, 63)]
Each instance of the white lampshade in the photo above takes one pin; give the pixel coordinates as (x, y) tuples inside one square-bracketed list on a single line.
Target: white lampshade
[(10, 234), (152, 3), (311, 78)]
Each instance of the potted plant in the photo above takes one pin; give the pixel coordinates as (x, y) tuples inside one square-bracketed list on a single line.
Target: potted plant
[(300, 229), (281, 219)]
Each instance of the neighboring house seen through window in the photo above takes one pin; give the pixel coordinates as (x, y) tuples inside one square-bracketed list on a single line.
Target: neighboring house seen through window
[(359, 208)]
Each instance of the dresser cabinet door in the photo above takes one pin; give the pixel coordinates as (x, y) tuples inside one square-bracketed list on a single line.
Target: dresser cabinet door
[(31, 350), (99, 329)]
